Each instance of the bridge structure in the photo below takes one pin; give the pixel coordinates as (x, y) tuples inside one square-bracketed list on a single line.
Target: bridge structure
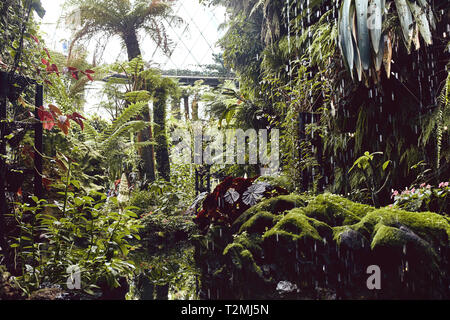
[(212, 81)]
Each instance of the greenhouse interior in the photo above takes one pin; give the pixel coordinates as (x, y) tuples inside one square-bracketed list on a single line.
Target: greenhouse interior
[(224, 150)]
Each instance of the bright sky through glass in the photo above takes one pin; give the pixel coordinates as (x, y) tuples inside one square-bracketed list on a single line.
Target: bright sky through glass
[(195, 41)]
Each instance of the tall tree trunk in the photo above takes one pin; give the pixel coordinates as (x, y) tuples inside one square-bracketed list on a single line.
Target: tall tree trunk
[(195, 108), (162, 146), (131, 43), (176, 107), (186, 107), (147, 153)]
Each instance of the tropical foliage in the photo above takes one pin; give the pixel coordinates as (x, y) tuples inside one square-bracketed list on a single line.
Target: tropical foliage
[(358, 91)]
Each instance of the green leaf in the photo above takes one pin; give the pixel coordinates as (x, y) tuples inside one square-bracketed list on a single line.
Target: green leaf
[(376, 23), (422, 21), (346, 35), (36, 5), (386, 164), (363, 32), (406, 21), (380, 54)]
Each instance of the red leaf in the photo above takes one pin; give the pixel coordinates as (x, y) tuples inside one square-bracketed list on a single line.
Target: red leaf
[(64, 128), (46, 183), (75, 75), (89, 77), (55, 110), (55, 69), (41, 113), (72, 69), (35, 39), (46, 118), (48, 54), (79, 122), (77, 115), (45, 62), (48, 82), (89, 71)]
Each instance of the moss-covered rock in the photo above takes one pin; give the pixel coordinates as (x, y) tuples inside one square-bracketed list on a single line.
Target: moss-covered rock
[(260, 222), (274, 205), (328, 242), (430, 226), (335, 210), (295, 225)]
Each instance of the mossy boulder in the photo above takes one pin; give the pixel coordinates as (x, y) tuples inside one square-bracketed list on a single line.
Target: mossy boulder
[(275, 206), (335, 210), (260, 222), (296, 225), (327, 242)]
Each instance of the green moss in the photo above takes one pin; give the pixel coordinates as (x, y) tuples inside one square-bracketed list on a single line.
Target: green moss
[(275, 205), (271, 234), (386, 236), (247, 259), (260, 222), (335, 210), (430, 226), (251, 242), (296, 225), (233, 252), (241, 257)]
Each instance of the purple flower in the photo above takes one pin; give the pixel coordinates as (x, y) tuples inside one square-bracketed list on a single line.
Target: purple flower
[(443, 184)]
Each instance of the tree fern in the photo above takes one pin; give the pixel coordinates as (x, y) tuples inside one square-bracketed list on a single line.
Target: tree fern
[(131, 112), (443, 117)]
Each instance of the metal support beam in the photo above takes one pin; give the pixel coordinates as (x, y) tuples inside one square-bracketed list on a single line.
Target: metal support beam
[(38, 144), (3, 205)]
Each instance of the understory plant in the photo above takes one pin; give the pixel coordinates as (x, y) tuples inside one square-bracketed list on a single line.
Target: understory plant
[(79, 233), (424, 198), (370, 171)]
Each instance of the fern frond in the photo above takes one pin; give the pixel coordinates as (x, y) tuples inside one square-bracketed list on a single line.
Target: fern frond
[(131, 112), (130, 126)]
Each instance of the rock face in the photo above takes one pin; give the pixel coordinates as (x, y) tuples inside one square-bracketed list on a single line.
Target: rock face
[(322, 246)]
